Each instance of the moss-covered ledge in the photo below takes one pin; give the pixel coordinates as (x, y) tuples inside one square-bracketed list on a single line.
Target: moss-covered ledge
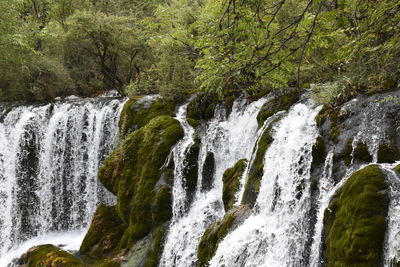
[(217, 231), (355, 221), (231, 180), (138, 111), (49, 255)]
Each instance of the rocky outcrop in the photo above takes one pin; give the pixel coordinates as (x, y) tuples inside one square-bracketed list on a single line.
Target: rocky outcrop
[(134, 172), (355, 221), (49, 255)]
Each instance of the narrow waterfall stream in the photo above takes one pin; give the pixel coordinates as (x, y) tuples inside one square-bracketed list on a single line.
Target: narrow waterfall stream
[(49, 158), (276, 233), (229, 139)]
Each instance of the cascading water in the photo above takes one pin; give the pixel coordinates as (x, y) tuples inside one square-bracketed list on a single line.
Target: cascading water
[(276, 233), (229, 140), (49, 157)]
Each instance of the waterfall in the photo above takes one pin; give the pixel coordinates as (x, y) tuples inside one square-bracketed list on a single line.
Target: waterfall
[(49, 157), (276, 233), (229, 139), (392, 240)]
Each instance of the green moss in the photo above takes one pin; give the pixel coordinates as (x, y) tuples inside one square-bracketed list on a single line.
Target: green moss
[(202, 107), (49, 255), (104, 233), (279, 103), (335, 129), (192, 122), (132, 172), (253, 182), (157, 240), (388, 153), (215, 233), (231, 180), (322, 115), (137, 112), (397, 168), (318, 152), (355, 222)]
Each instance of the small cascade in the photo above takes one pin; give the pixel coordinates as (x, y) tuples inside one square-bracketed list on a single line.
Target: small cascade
[(49, 158), (392, 242), (326, 189), (276, 233), (229, 140)]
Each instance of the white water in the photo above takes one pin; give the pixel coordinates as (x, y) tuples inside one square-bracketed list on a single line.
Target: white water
[(392, 242), (325, 191), (276, 233), (230, 140), (49, 157)]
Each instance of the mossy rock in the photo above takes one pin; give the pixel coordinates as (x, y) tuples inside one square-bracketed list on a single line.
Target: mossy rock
[(49, 256), (202, 107), (397, 168), (133, 172), (231, 180), (217, 231), (388, 153), (104, 233), (355, 221), (318, 152), (322, 115), (192, 122), (361, 152), (138, 111), (281, 102), (335, 127), (256, 170), (208, 172)]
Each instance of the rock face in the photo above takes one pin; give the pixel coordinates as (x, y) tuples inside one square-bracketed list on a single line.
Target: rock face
[(134, 172), (217, 231), (355, 221), (49, 255)]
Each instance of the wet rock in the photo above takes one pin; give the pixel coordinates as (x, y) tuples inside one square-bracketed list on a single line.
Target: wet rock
[(231, 180)]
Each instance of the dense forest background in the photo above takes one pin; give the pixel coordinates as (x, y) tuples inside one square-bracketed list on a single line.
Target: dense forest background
[(51, 48)]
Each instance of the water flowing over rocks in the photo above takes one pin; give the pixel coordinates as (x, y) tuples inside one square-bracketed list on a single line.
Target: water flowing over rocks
[(277, 181)]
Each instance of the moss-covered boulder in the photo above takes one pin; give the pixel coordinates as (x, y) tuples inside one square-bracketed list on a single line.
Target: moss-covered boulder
[(397, 168), (217, 231), (49, 256), (104, 233), (231, 180), (138, 111), (388, 153), (355, 221), (281, 102), (133, 172)]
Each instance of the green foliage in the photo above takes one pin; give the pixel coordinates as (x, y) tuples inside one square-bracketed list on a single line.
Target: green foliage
[(355, 221)]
